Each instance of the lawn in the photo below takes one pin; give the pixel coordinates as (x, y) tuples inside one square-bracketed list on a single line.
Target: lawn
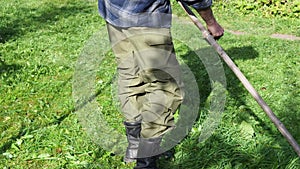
[(43, 126)]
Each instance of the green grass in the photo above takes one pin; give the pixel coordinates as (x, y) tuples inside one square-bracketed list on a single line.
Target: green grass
[(40, 42)]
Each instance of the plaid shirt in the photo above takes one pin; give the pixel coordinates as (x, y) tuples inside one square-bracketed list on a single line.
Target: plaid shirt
[(142, 13)]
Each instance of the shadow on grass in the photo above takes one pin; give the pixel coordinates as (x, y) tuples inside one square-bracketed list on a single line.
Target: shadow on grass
[(8, 68), (290, 117), (33, 19), (218, 150), (234, 86), (291, 113), (237, 91), (243, 53)]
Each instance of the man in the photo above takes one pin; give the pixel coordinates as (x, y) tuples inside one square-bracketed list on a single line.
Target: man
[(149, 84)]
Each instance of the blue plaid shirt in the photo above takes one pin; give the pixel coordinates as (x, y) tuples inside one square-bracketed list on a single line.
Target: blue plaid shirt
[(142, 13)]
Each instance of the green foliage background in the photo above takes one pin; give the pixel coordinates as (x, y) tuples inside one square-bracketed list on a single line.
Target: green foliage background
[(267, 8)]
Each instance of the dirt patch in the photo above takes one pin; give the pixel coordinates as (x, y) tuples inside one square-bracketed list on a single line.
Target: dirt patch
[(283, 36), (236, 32), (275, 35)]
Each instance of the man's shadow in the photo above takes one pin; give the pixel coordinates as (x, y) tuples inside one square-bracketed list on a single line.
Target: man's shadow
[(205, 155)]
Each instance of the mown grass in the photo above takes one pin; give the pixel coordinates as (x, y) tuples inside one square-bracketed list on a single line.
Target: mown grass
[(40, 42)]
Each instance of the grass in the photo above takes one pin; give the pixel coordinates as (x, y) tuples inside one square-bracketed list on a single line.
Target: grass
[(40, 42)]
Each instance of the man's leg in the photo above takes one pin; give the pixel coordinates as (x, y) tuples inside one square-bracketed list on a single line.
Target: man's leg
[(159, 69), (130, 88), (149, 81)]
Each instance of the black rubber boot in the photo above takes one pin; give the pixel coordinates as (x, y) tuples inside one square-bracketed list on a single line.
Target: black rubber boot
[(133, 130), (148, 152), (146, 163)]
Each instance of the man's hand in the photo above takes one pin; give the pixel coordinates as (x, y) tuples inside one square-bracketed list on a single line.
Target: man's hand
[(213, 26), (216, 30)]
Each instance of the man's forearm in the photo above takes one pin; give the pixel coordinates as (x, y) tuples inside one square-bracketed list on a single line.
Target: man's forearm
[(212, 25), (207, 15)]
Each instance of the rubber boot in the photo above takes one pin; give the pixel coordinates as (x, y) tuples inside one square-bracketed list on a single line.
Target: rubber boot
[(148, 153), (133, 130)]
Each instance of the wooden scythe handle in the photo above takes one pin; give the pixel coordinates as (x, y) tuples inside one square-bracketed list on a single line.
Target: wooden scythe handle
[(208, 37)]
